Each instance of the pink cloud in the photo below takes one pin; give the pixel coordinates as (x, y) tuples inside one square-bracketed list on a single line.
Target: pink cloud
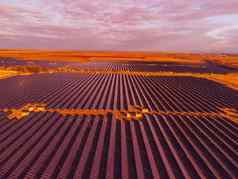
[(120, 25)]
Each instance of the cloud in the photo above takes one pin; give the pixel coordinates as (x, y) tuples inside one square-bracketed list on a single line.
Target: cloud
[(185, 25)]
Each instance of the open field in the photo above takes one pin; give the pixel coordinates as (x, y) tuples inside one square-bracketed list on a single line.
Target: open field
[(82, 56), (118, 119), (6, 73)]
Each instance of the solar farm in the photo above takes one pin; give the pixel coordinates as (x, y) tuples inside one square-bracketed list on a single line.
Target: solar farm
[(119, 120)]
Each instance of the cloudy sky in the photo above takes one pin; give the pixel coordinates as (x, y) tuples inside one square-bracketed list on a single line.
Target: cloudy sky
[(154, 25)]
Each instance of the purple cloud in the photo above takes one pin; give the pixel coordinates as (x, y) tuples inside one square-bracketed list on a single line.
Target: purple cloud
[(185, 25)]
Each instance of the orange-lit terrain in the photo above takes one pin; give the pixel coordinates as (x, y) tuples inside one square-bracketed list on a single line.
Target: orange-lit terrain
[(6, 73), (118, 115), (84, 56), (230, 60)]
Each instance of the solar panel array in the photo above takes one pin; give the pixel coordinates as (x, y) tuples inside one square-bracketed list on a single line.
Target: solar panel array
[(48, 145)]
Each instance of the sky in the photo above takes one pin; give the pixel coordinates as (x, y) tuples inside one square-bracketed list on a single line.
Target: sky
[(123, 25)]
